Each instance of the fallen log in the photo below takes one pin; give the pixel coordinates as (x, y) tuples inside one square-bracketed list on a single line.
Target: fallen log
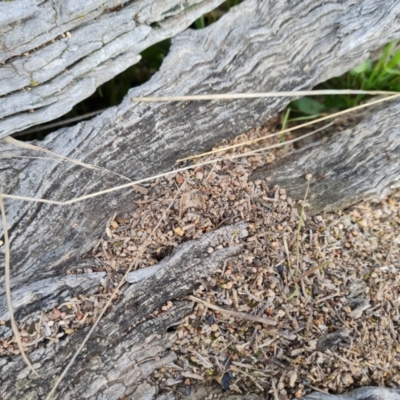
[(54, 55), (247, 50), (368, 392), (140, 140), (360, 163), (122, 351)]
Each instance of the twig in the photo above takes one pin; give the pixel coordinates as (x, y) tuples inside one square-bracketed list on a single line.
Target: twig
[(352, 363), (311, 270), (331, 296), (236, 369), (207, 363), (236, 314), (318, 389), (276, 396), (308, 177), (8, 289), (296, 290)]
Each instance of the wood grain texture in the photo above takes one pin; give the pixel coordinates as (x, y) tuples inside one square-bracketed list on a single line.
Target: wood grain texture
[(54, 54), (257, 46), (48, 293), (368, 392), (249, 49), (117, 357), (357, 164)]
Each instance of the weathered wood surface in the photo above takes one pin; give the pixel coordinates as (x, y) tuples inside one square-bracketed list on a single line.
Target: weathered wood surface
[(249, 49), (365, 393), (362, 162), (258, 46), (115, 358), (55, 54)]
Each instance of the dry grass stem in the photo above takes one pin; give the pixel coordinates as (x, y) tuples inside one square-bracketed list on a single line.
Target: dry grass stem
[(7, 277), (281, 144), (312, 270), (301, 221), (127, 185), (315, 121), (60, 123), (162, 175), (237, 96), (25, 145)]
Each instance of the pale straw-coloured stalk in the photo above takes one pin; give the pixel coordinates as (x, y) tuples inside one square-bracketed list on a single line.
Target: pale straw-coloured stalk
[(7, 285)]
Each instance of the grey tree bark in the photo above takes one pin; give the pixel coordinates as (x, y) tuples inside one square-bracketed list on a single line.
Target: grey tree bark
[(55, 54), (258, 46), (122, 352), (369, 392), (361, 163)]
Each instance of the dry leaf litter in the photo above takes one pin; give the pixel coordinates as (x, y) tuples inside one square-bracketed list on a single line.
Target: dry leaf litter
[(331, 287)]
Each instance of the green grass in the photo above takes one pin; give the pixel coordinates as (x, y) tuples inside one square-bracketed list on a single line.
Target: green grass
[(383, 74)]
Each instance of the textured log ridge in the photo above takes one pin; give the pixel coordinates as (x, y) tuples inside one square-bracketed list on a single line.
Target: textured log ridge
[(55, 54), (249, 49), (368, 392), (257, 46), (344, 170), (114, 360)]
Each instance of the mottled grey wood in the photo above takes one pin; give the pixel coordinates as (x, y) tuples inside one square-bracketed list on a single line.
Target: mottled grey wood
[(364, 393), (249, 49), (201, 392), (359, 163), (55, 54), (46, 294), (122, 350), (258, 46)]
